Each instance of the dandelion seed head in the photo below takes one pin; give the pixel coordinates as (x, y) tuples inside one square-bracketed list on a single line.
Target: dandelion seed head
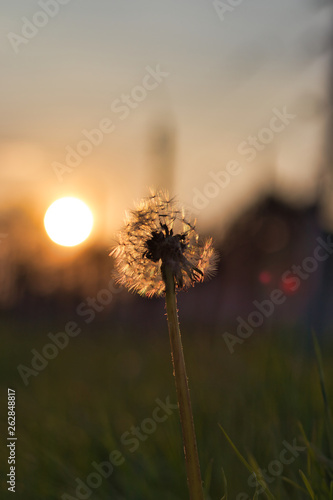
[(158, 232)]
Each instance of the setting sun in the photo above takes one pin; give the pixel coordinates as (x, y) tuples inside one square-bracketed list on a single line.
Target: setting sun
[(68, 221)]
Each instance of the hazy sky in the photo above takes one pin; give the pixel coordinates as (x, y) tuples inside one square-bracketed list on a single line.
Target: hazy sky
[(216, 80)]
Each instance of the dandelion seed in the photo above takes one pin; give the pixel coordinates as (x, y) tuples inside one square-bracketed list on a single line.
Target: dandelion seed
[(158, 234)]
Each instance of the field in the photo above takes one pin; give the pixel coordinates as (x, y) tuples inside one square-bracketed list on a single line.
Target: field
[(109, 397)]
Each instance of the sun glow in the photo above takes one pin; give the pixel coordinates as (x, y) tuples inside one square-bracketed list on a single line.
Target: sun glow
[(68, 221)]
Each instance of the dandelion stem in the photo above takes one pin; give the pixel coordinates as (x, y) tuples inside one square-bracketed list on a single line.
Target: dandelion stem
[(183, 393)]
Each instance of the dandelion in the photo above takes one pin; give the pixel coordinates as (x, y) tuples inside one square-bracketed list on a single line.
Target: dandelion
[(159, 252), (158, 235)]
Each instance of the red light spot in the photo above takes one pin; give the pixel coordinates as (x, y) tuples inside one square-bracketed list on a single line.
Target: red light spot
[(291, 286), (265, 277)]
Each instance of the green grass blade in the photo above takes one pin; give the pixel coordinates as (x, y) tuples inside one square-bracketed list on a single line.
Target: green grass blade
[(225, 486), (320, 368), (328, 414), (259, 479), (208, 476), (257, 493), (310, 452), (307, 485), (292, 483), (238, 453)]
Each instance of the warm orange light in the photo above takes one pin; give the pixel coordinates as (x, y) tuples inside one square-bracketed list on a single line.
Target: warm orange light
[(68, 221)]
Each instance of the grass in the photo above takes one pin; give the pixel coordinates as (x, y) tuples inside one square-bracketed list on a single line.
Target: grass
[(107, 380)]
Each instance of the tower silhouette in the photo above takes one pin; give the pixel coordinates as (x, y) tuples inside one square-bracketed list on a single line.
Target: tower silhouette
[(162, 156)]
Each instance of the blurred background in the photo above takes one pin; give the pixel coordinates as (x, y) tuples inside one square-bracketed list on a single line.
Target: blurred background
[(227, 106)]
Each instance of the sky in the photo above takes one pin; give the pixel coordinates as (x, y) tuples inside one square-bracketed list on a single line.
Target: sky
[(237, 90)]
